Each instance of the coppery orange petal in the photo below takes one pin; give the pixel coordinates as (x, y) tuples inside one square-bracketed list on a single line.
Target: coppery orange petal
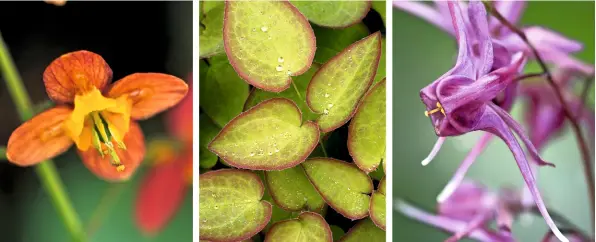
[(40, 138), (131, 157), (179, 119), (150, 93), (75, 73)]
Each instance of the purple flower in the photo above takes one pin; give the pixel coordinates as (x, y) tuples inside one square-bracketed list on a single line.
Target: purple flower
[(460, 101), (553, 47), (470, 212)]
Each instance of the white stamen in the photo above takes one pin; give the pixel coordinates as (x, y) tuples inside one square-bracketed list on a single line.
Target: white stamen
[(447, 191), (434, 151)]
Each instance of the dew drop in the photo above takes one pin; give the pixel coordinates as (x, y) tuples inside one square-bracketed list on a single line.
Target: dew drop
[(254, 29), (279, 68), (276, 150), (325, 111), (326, 94), (289, 73), (270, 153), (216, 207), (330, 105), (328, 84), (264, 28), (349, 189), (280, 59)]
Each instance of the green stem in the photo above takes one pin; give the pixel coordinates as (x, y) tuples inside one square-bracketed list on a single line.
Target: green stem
[(323, 148), (297, 92), (3, 153), (46, 170)]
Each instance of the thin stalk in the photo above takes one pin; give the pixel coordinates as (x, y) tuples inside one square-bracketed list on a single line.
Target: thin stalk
[(109, 198), (583, 145), (3, 153), (302, 99), (46, 170)]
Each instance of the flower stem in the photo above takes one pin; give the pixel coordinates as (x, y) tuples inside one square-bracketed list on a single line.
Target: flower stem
[(46, 170), (3, 153), (297, 92), (583, 145)]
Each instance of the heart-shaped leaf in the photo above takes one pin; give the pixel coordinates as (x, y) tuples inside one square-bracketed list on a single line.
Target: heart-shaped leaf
[(377, 206), (338, 86), (332, 41), (269, 136), (211, 36), (230, 205), (381, 72), (343, 186), (257, 95), (208, 131), (365, 230), (335, 14), (267, 42), (222, 92), (366, 133), (291, 190), (308, 227)]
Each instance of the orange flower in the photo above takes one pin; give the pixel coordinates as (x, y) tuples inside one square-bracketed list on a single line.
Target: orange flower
[(97, 117), (163, 189)]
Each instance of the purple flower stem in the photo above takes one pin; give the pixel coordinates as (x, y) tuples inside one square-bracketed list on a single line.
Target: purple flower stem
[(585, 151)]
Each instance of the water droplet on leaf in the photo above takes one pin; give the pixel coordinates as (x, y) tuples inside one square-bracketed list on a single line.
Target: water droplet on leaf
[(279, 68), (326, 94), (264, 28), (325, 111), (280, 59)]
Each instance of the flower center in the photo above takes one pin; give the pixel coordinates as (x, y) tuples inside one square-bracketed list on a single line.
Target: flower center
[(100, 122), (439, 108)]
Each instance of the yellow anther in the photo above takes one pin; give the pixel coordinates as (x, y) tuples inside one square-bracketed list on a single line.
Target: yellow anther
[(120, 168), (439, 108)]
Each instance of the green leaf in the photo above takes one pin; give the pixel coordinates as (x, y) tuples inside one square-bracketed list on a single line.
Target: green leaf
[(269, 136), (337, 232), (335, 14), (379, 7), (343, 186), (211, 36), (338, 86), (381, 72), (208, 5), (377, 206), (222, 92), (366, 133), (268, 42), (291, 190), (257, 95), (307, 227), (230, 205), (365, 230), (332, 41), (207, 131)]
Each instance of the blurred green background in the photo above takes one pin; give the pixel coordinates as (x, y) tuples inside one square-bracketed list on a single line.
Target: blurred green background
[(131, 37), (421, 53)]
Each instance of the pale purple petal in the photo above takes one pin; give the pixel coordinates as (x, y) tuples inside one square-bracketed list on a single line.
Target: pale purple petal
[(539, 36), (511, 10), (463, 65), (483, 49), (471, 226), (426, 12), (522, 134), (434, 151), (492, 122), (447, 224), (461, 171)]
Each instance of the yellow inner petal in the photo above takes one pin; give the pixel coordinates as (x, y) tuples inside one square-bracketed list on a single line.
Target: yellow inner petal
[(99, 121)]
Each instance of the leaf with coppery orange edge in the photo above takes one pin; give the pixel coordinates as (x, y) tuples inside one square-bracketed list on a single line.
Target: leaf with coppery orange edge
[(343, 186), (377, 205), (334, 14), (366, 133), (269, 136), (40, 138), (75, 73), (267, 42), (291, 190), (365, 230), (308, 227), (257, 95), (208, 131), (150, 93), (338, 86), (163, 187), (231, 206), (211, 37), (131, 157)]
